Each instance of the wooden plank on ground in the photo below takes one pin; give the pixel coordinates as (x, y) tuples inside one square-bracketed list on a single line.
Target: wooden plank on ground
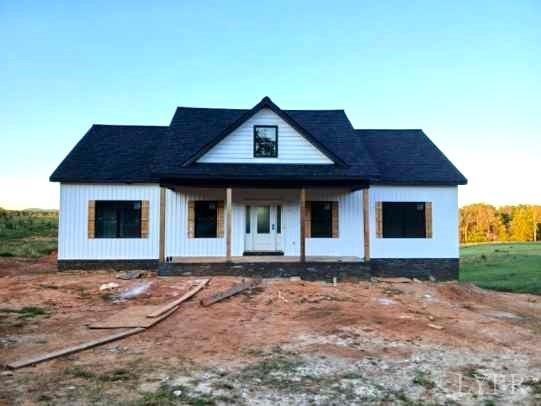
[(233, 290), (70, 350), (130, 317), (165, 308)]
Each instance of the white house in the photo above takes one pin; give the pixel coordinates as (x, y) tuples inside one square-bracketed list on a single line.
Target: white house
[(265, 190)]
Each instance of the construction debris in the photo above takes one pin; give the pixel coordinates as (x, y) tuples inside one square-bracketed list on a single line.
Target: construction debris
[(134, 291), (109, 286), (131, 317), (233, 290), (163, 309), (70, 350), (137, 318), (127, 275), (435, 326)]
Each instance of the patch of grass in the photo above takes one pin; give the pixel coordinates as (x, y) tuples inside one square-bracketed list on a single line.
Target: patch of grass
[(79, 372), (165, 396), (509, 267), (114, 375), (27, 312), (423, 379)]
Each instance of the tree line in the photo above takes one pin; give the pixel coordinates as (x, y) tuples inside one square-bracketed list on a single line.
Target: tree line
[(482, 222)]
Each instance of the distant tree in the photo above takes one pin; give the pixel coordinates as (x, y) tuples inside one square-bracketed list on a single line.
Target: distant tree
[(480, 222), (522, 223)]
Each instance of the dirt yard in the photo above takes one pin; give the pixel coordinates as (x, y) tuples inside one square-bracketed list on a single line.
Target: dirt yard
[(287, 342)]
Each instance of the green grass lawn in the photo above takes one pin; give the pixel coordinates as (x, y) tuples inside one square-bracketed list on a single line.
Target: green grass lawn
[(510, 267), (27, 233)]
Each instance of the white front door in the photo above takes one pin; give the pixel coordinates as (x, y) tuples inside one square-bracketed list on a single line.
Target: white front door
[(262, 228)]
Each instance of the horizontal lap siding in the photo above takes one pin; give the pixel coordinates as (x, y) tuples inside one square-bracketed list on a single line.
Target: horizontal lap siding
[(73, 241), (350, 225), (238, 147), (444, 241)]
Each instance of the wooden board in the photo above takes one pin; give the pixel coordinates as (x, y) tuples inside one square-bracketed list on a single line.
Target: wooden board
[(165, 308), (70, 350), (233, 290), (131, 317)]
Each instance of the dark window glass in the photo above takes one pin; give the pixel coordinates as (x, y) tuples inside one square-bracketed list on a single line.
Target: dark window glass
[(247, 220), (265, 141), (263, 220), (321, 220), (279, 219), (118, 219), (404, 220), (206, 219)]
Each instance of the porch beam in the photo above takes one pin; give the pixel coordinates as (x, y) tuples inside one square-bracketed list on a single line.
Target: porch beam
[(366, 224), (228, 222), (302, 208)]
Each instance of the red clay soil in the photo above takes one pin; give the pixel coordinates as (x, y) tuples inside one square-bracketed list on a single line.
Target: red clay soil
[(276, 313)]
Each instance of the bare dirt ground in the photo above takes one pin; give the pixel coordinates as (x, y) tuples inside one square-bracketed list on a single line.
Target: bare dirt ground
[(286, 342)]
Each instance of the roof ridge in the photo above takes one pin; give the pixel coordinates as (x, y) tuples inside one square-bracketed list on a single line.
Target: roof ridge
[(129, 125), (388, 129)]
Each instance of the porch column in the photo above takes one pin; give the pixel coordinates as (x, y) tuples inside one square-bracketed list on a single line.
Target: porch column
[(228, 221), (162, 225), (366, 224), (302, 208)]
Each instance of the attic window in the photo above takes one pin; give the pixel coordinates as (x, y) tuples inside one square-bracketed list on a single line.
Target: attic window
[(265, 141)]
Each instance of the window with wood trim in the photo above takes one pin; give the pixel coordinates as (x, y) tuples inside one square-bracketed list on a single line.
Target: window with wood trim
[(119, 219), (205, 219), (323, 219), (265, 141), (405, 220)]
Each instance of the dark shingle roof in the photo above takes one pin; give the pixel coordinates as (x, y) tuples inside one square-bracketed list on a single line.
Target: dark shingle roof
[(112, 153), (109, 153), (409, 157)]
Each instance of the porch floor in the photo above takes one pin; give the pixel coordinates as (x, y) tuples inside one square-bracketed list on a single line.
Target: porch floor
[(263, 258)]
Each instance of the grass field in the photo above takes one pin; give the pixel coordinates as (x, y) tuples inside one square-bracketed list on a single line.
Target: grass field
[(28, 233), (510, 267)]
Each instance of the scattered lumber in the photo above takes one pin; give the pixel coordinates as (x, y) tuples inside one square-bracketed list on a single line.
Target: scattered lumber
[(392, 280), (70, 350), (131, 317), (164, 309), (233, 290)]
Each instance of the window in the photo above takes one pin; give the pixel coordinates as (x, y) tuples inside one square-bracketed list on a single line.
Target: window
[(404, 220), (206, 219), (263, 219), (265, 141), (321, 219), (118, 219)]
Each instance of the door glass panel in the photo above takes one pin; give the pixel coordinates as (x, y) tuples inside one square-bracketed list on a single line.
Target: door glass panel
[(263, 220), (279, 219)]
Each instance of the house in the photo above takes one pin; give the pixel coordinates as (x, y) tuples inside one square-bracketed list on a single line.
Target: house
[(264, 190)]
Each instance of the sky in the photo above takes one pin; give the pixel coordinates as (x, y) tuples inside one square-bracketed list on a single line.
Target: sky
[(467, 73)]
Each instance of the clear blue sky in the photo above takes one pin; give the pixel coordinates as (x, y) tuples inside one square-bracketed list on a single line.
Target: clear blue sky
[(468, 73)]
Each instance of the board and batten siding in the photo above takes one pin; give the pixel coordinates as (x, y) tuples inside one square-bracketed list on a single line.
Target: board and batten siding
[(177, 241), (238, 147), (350, 225), (444, 242), (349, 243), (73, 241)]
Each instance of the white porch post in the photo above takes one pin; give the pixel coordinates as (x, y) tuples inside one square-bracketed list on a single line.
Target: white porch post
[(228, 221), (302, 208)]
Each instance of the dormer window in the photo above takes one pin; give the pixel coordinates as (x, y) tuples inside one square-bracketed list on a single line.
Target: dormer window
[(265, 141)]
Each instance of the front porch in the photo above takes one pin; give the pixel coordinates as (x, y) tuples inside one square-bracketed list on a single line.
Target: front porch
[(256, 225)]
